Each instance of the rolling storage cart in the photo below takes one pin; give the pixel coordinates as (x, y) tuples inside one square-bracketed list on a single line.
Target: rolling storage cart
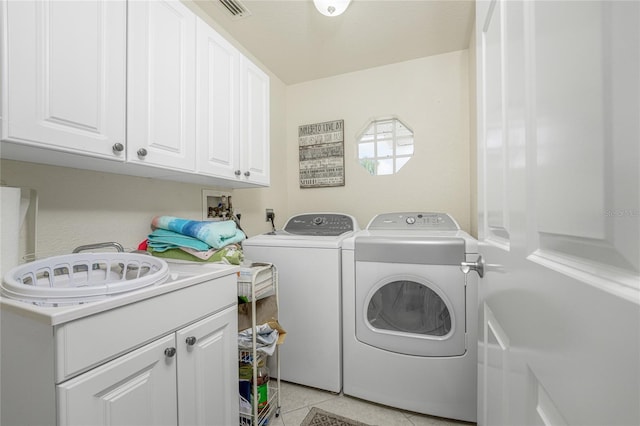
[(258, 300)]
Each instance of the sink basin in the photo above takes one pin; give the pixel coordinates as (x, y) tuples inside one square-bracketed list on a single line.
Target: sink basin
[(82, 277)]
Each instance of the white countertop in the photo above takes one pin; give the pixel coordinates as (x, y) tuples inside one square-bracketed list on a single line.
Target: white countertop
[(181, 275)]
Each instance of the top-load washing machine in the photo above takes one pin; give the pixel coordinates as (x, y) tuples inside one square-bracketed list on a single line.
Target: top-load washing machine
[(410, 315), (307, 254)]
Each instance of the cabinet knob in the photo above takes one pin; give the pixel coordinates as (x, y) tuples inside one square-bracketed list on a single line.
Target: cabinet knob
[(191, 340), (237, 172), (142, 153), (170, 352), (117, 147), (247, 173)]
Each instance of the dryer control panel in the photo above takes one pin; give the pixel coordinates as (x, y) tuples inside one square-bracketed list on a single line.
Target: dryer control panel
[(414, 221), (320, 224)]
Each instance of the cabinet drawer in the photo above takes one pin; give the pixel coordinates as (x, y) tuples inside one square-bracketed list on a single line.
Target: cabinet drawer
[(87, 342)]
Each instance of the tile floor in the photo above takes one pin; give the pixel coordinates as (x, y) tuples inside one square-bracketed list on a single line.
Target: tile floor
[(296, 401)]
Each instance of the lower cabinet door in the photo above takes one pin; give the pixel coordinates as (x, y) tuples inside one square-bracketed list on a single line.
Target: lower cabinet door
[(138, 388), (208, 371)]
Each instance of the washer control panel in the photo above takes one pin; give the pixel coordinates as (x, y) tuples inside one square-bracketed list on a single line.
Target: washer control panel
[(415, 221), (320, 224)]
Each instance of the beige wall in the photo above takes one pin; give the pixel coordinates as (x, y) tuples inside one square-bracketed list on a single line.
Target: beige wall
[(78, 206), (431, 96)]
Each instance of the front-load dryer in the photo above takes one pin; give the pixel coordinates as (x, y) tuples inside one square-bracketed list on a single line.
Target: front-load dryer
[(307, 254), (410, 315)]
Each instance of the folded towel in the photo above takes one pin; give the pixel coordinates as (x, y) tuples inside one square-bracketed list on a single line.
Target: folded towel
[(216, 234), (162, 240), (230, 254)]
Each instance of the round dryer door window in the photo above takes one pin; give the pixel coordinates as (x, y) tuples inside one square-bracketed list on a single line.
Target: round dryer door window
[(411, 309)]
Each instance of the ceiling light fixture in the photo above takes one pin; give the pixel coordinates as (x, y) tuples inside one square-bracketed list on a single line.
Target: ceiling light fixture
[(331, 7)]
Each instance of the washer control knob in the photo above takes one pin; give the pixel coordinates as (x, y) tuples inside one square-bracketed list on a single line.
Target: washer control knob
[(411, 220), (318, 220)]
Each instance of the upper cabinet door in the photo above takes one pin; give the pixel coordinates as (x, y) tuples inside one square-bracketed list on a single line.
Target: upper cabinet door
[(161, 97), (65, 83), (217, 132), (254, 123)]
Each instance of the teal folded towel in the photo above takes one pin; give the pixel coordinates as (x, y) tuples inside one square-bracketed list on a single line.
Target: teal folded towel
[(216, 234), (163, 240)]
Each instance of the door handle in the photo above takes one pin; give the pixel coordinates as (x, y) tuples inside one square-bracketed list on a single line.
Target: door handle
[(477, 266)]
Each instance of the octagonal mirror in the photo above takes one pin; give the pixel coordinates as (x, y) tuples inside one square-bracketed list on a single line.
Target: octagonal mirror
[(385, 146)]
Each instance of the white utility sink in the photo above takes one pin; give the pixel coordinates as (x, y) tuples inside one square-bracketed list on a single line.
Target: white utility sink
[(82, 277)]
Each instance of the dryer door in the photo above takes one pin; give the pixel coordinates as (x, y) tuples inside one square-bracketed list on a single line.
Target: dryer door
[(412, 309)]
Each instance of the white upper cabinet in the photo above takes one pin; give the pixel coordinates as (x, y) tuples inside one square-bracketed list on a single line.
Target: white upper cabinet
[(95, 80), (65, 75), (233, 112), (218, 131), (161, 92), (254, 123)]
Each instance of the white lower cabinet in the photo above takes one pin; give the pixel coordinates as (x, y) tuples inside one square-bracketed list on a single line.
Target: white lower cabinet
[(164, 355), (137, 389), (180, 379), (208, 371)]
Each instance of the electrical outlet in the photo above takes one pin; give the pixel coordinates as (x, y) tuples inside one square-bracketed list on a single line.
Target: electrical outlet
[(270, 215)]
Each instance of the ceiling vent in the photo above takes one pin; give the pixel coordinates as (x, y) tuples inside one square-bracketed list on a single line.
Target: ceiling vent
[(236, 9)]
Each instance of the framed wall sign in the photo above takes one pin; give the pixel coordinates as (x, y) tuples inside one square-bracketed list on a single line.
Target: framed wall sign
[(321, 154)]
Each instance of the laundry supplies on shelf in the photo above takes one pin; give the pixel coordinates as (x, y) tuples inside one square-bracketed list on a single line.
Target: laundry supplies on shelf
[(268, 335), (258, 338), (257, 276)]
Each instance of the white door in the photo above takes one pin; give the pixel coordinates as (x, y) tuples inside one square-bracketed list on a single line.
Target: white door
[(218, 130), (208, 371), (66, 75), (138, 388), (254, 123), (559, 223), (161, 84)]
